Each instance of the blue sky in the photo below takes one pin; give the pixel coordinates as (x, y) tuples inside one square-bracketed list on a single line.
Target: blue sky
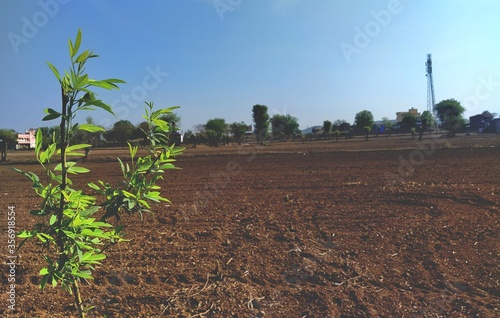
[(313, 59)]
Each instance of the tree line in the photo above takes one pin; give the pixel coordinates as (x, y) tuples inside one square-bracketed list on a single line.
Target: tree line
[(277, 127)]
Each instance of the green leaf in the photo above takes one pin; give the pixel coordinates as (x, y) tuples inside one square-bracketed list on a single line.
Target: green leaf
[(91, 128), (82, 57), (102, 84), (55, 71), (76, 147), (90, 257), (100, 104), (122, 167), (53, 219), (39, 141), (26, 234), (81, 81), (71, 50), (94, 186), (44, 271), (52, 114), (75, 170), (86, 274), (78, 40)]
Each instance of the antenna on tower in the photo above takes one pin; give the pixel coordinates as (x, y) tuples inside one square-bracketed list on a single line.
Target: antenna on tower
[(431, 102)]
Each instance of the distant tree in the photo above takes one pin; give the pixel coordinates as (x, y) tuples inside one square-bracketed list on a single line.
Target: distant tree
[(410, 121), (49, 133), (327, 128), (7, 137), (342, 125), (86, 137), (278, 125), (367, 130), (363, 118), (215, 130), (140, 132), (121, 132), (261, 120), (172, 118), (188, 137), (427, 121), (284, 125), (238, 130), (450, 113), (336, 133), (291, 125), (387, 122)]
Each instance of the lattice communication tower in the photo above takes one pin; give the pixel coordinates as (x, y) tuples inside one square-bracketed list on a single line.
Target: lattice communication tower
[(431, 101)]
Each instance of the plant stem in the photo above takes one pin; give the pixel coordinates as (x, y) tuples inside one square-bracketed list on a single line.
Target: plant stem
[(78, 299)]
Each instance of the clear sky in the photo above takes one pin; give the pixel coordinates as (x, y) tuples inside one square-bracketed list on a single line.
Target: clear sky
[(313, 59)]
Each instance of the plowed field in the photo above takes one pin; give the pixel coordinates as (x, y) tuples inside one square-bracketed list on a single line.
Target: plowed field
[(384, 228)]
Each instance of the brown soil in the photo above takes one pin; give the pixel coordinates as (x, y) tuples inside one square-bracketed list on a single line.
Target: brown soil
[(318, 229)]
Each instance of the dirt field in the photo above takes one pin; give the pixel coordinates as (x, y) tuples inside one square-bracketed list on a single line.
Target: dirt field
[(382, 228)]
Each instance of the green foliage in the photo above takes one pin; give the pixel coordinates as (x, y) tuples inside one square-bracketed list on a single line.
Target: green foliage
[(72, 234), (122, 131), (427, 121), (327, 127), (261, 120), (172, 119), (284, 125), (363, 118), (450, 113), (215, 129), (336, 133), (387, 123), (410, 121), (8, 135), (238, 130), (367, 130)]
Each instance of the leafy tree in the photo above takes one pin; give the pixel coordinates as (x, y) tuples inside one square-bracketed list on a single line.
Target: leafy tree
[(188, 136), (450, 113), (172, 119), (410, 121), (7, 137), (367, 130), (278, 123), (261, 120), (72, 238), (336, 124), (342, 125), (140, 132), (336, 133), (387, 123), (291, 126), (238, 130), (427, 121), (122, 131), (49, 134), (215, 130), (284, 125), (363, 118), (327, 128)]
